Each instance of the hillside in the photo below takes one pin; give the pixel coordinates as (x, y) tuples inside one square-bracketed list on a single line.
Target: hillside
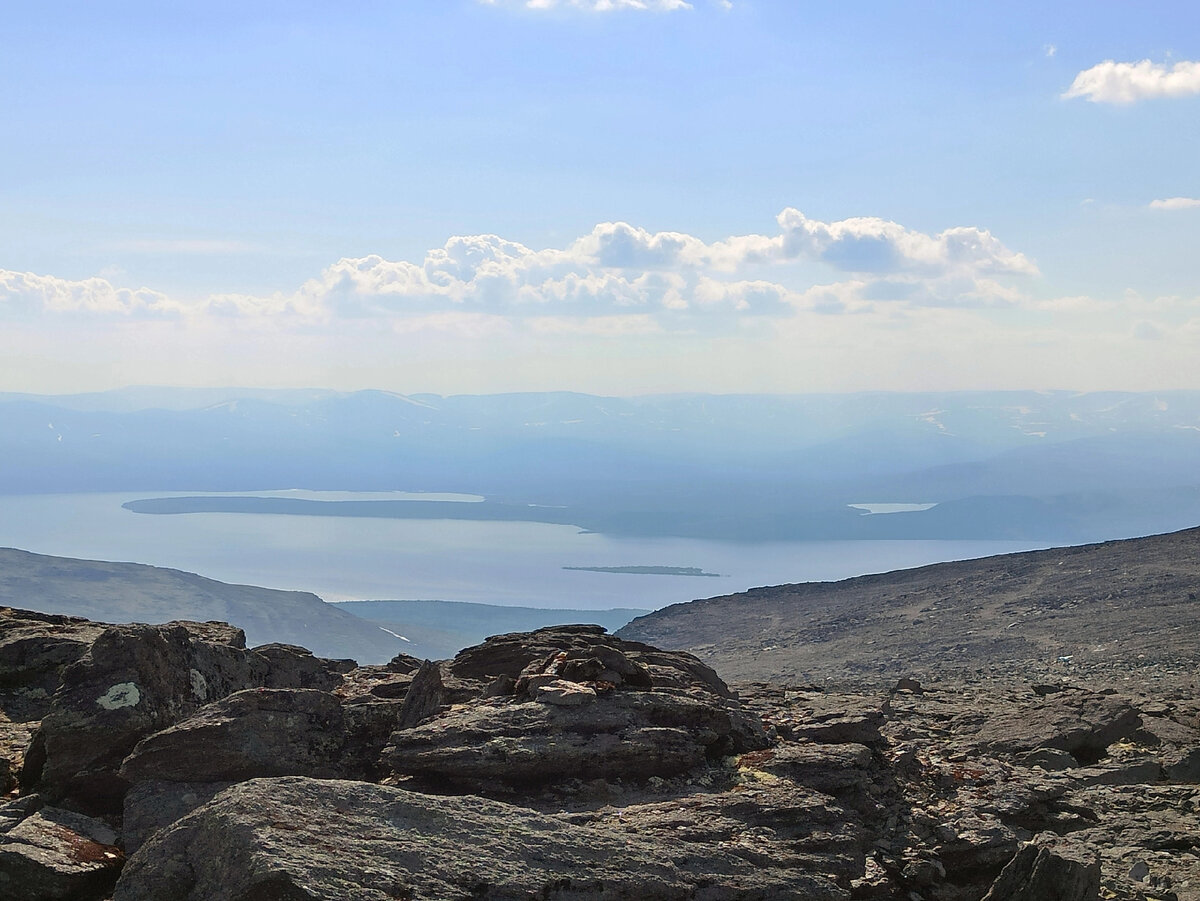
[(133, 592), (440, 629), (1102, 607)]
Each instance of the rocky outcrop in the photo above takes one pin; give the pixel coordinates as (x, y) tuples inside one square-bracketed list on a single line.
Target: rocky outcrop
[(58, 854), (133, 681), (123, 683), (257, 732), (1039, 872), (567, 703), (298, 838), (566, 763)]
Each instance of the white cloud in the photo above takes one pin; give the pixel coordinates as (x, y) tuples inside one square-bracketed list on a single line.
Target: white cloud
[(1049, 50), (617, 272), (27, 294), (1175, 203), (1113, 82), (1145, 330), (870, 245)]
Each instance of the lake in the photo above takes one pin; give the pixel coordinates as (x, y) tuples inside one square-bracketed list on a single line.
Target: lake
[(516, 563)]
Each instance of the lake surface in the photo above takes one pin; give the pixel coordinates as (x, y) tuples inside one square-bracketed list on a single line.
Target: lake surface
[(517, 563)]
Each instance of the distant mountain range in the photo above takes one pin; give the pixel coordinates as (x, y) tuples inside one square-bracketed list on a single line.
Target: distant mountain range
[(1055, 466)]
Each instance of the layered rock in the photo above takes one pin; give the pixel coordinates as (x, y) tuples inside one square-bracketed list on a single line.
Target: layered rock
[(568, 703), (299, 839), (596, 768)]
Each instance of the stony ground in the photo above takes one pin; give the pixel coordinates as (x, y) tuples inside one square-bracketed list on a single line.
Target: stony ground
[(1097, 611), (173, 763)]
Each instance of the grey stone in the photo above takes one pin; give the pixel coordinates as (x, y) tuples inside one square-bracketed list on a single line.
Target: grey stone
[(58, 855), (1039, 873), (257, 732), (296, 838)]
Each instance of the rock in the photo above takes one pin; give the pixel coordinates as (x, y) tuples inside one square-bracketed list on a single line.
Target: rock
[(1039, 873), (14, 811), (1126, 772), (833, 769), (1081, 723), (562, 693), (1184, 767), (424, 697), (507, 743), (151, 806), (296, 838), (257, 732), (133, 681), (291, 666), (1051, 760), (855, 728), (584, 654), (58, 855), (35, 648)]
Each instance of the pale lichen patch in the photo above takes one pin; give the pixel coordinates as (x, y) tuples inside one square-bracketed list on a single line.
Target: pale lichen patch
[(123, 694), (199, 685)]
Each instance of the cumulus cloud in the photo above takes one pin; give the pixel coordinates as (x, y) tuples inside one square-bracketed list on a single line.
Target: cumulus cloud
[(1175, 203), (1113, 82), (870, 245), (616, 279), (27, 294)]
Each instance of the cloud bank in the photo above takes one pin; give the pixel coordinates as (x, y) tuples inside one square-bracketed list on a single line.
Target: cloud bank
[(616, 278), (1124, 83)]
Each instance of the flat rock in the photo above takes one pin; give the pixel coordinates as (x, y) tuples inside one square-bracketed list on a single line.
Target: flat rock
[(508, 743), (1081, 723), (257, 732), (297, 838), (151, 806), (58, 855), (1040, 873)]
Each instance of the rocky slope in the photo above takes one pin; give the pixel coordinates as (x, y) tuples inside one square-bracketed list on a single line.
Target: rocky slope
[(125, 592), (171, 762), (1091, 611)]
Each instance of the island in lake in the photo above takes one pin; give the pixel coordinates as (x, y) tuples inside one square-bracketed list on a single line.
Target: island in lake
[(648, 570)]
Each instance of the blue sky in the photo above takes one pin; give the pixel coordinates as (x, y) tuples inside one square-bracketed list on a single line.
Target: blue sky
[(727, 196)]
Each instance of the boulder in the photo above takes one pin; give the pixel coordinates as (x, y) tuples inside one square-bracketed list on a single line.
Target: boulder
[(583, 654), (1081, 723), (257, 732), (151, 806), (58, 855), (35, 648), (1038, 873), (508, 743), (133, 681), (297, 838), (291, 666)]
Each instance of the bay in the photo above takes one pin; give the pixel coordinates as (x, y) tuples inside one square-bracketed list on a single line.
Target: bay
[(512, 563)]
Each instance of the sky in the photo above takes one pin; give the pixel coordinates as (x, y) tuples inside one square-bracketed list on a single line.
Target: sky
[(611, 196)]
